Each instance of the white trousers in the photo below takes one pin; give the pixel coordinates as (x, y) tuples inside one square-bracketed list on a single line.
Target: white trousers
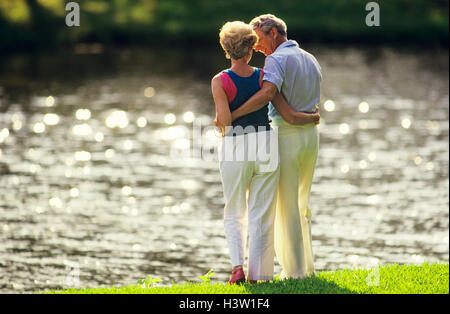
[(298, 147), (250, 188)]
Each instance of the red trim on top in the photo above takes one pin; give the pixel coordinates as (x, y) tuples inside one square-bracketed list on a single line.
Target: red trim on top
[(228, 86), (260, 78)]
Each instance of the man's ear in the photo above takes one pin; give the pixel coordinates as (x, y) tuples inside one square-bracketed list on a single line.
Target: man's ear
[(274, 32)]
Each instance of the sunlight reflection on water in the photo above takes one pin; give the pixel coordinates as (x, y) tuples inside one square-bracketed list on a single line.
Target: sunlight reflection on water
[(86, 174)]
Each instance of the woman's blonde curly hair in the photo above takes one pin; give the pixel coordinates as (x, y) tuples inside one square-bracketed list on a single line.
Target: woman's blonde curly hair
[(236, 38)]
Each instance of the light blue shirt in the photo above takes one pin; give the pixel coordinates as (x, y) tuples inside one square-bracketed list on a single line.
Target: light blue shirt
[(297, 75)]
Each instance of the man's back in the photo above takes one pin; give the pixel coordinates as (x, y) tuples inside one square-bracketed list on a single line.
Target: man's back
[(297, 75)]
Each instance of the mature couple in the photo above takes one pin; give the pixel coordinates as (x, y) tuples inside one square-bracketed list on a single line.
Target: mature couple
[(268, 205)]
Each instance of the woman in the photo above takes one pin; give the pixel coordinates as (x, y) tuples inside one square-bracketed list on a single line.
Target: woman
[(253, 212)]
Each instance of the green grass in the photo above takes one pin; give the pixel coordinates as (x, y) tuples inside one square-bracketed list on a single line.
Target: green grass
[(390, 279)]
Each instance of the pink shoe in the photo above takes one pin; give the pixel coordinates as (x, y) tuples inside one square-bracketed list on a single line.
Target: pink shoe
[(237, 276)]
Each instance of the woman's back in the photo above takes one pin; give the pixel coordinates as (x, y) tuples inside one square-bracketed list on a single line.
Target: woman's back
[(239, 89)]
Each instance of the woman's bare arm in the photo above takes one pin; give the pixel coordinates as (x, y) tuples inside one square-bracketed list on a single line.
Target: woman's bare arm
[(290, 115), (223, 114)]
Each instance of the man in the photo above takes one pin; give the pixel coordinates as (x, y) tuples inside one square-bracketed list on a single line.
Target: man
[(291, 72)]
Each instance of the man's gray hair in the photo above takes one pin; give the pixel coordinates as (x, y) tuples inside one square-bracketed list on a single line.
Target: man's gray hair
[(265, 23)]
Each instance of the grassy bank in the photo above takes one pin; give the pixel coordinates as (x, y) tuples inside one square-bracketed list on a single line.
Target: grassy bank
[(35, 24), (391, 279)]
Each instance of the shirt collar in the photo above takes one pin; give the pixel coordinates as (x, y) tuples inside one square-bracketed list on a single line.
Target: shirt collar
[(288, 43)]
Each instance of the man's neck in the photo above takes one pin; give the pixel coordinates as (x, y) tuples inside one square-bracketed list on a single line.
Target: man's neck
[(280, 40)]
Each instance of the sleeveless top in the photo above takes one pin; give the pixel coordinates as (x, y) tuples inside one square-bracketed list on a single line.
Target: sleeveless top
[(238, 90)]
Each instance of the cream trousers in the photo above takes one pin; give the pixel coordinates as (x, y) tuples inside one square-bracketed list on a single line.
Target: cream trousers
[(298, 148), (250, 187)]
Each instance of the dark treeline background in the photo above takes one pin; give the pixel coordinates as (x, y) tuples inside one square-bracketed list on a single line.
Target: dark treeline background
[(40, 24)]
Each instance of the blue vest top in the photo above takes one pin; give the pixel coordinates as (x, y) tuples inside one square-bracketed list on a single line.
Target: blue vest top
[(246, 87)]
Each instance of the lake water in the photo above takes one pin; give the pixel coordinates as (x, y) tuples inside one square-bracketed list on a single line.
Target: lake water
[(100, 183)]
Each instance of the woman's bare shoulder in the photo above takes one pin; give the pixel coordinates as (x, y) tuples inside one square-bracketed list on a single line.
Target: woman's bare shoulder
[(216, 80)]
